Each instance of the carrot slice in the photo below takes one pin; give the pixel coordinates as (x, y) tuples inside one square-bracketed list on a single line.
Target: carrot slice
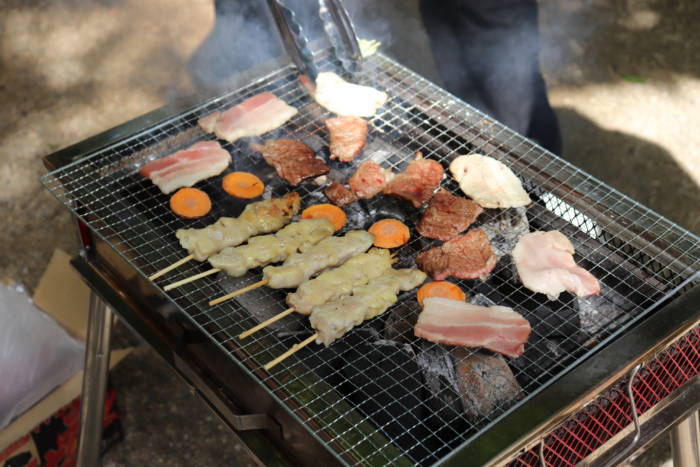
[(326, 211), (389, 233), (190, 203), (243, 185), (442, 289)]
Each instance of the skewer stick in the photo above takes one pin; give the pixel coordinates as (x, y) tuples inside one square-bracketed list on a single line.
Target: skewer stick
[(238, 292), (171, 267), (295, 348), (187, 280), (266, 323)]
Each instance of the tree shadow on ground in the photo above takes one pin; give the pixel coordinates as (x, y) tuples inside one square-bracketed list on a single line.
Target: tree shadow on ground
[(623, 160)]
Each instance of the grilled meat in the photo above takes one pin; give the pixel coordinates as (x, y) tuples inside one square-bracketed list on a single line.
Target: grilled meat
[(369, 179), (488, 182), (185, 168), (417, 183), (347, 99), (293, 160), (329, 252), (252, 117), (333, 319), (265, 249), (337, 282), (447, 216), (348, 137), (257, 218), (467, 257), (454, 322), (546, 264), (339, 195)]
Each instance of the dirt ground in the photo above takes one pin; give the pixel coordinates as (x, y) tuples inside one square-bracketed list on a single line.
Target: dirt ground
[(624, 78)]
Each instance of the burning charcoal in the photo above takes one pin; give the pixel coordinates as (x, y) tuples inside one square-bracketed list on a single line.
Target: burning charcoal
[(602, 312), (548, 323), (504, 227), (542, 358), (438, 369), (485, 381)]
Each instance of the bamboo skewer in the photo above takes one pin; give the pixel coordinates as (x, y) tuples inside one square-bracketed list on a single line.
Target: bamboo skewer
[(171, 267), (295, 348), (266, 323), (238, 292), (187, 280)]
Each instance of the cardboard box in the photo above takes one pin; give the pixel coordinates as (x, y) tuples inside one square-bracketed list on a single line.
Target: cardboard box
[(47, 434)]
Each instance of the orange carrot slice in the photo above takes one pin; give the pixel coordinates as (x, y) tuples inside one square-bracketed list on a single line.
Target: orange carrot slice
[(190, 203), (243, 185), (389, 233), (442, 289), (326, 211)]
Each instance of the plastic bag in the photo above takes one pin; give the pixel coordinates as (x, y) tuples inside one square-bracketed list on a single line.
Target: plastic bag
[(36, 354)]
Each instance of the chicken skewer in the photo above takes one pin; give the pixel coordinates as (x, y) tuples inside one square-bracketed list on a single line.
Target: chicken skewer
[(332, 284), (257, 218), (334, 319), (299, 267), (264, 249)]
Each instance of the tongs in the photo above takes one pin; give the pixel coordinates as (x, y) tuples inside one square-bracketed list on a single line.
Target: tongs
[(337, 26)]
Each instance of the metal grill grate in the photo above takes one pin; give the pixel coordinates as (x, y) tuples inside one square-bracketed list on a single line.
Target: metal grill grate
[(610, 413), (354, 396)]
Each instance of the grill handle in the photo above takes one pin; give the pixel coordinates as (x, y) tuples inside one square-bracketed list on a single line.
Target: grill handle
[(293, 38)]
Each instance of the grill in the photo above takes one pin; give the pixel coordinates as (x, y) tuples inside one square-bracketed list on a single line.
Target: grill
[(368, 398)]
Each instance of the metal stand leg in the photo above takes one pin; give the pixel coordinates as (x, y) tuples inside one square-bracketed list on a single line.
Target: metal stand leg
[(94, 382), (685, 442)]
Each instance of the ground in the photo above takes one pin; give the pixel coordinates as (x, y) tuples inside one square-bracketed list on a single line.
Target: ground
[(623, 77)]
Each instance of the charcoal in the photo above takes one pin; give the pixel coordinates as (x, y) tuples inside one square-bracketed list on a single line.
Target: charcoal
[(604, 312), (556, 321), (543, 357), (400, 322), (438, 371), (485, 383), (504, 228)]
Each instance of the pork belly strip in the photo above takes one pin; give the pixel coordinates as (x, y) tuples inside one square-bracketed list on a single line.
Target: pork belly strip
[(496, 328), (348, 137), (545, 264), (468, 256), (185, 168), (417, 183), (447, 216), (253, 117), (293, 160)]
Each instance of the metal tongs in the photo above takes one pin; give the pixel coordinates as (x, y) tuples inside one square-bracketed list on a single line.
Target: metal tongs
[(337, 26)]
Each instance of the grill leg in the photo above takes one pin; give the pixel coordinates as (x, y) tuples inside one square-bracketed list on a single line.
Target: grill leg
[(685, 442), (94, 381)]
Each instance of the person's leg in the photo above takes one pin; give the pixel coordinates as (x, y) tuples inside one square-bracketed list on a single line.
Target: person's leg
[(487, 53)]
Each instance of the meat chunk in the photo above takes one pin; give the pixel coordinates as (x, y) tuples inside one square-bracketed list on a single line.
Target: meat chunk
[(292, 159), (447, 216), (185, 168), (369, 179), (417, 183), (253, 117), (455, 322), (488, 182), (467, 257), (339, 195), (485, 383), (348, 137), (347, 99), (546, 265)]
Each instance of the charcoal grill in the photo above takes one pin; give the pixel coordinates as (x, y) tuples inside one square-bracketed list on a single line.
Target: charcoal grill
[(348, 404)]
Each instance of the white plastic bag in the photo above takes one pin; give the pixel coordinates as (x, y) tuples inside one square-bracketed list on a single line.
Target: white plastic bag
[(36, 354)]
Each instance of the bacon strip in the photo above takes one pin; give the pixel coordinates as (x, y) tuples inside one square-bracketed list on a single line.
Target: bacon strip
[(254, 116), (496, 328), (185, 168)]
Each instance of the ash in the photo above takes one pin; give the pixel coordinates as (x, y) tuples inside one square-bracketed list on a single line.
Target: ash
[(504, 227)]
